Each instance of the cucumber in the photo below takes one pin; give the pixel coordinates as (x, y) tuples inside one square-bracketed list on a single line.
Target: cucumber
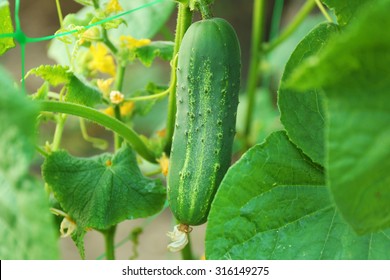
[(208, 81)]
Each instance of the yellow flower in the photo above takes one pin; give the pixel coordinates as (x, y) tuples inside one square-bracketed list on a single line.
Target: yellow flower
[(132, 43), (102, 61), (105, 86), (127, 108), (164, 163), (109, 111), (113, 7)]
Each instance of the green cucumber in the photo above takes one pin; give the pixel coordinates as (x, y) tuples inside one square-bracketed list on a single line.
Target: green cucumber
[(208, 81)]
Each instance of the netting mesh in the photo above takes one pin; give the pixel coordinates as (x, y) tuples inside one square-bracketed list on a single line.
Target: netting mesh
[(22, 39)]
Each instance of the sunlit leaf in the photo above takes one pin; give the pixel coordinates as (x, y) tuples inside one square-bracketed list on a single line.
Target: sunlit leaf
[(6, 27), (273, 204)]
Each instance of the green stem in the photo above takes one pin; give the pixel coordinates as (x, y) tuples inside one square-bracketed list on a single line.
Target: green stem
[(184, 20), (292, 27), (256, 56), (323, 11), (108, 42), (149, 97), (117, 138), (110, 244), (186, 253), (100, 118), (96, 142), (120, 75), (59, 12), (58, 132), (119, 86), (276, 18)]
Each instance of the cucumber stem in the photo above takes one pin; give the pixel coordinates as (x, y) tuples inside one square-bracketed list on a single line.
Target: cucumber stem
[(109, 241), (292, 27), (184, 20), (258, 24)]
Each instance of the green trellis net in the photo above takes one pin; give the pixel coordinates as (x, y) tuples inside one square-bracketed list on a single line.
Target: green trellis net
[(22, 39)]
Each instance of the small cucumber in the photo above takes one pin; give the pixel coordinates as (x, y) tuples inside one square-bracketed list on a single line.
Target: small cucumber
[(208, 81)]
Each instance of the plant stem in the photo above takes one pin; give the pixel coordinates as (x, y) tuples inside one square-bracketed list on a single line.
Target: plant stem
[(149, 97), (58, 132), (59, 12), (100, 118), (108, 43), (276, 18), (184, 20), (292, 27), (323, 11), (256, 56), (186, 253), (118, 86), (110, 243), (96, 142), (117, 138), (120, 75)]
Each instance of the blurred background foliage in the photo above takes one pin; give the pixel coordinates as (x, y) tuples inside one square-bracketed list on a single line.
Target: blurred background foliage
[(39, 18)]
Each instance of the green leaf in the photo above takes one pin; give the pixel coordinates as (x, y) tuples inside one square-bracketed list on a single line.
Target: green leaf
[(359, 116), (161, 49), (78, 90), (143, 23), (26, 226), (54, 74), (272, 204), (345, 10), (5, 27), (302, 114), (81, 92), (102, 191)]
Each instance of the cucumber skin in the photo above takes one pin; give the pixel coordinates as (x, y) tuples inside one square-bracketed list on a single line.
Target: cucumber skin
[(208, 81)]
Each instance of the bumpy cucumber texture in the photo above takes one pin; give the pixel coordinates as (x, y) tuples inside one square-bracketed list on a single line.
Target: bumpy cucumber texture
[(208, 80)]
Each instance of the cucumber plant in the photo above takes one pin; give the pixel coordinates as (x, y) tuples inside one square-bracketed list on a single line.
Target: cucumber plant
[(304, 177)]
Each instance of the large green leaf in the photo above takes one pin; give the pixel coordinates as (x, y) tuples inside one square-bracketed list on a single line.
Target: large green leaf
[(302, 114), (26, 228), (5, 27), (359, 117), (346, 10), (272, 204), (102, 191)]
